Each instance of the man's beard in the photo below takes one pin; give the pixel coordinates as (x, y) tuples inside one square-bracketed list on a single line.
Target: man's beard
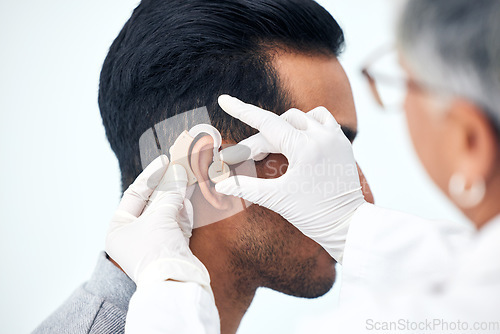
[(271, 252)]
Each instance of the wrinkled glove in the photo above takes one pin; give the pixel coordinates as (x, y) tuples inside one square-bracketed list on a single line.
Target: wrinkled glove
[(320, 190), (150, 240)]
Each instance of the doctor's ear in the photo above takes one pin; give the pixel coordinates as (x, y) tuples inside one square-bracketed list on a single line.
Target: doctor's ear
[(201, 159), (475, 141)]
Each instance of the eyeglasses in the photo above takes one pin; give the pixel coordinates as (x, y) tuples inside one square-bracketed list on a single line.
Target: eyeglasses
[(387, 80), (389, 83)]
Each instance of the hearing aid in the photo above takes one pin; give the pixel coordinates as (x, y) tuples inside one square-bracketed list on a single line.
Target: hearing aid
[(180, 153)]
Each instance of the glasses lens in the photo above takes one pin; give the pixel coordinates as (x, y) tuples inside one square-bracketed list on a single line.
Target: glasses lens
[(388, 81)]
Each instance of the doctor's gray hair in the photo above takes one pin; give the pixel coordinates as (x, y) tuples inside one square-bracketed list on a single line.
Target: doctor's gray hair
[(455, 45)]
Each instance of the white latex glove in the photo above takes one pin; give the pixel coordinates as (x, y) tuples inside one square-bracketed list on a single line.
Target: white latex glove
[(148, 241), (320, 190)]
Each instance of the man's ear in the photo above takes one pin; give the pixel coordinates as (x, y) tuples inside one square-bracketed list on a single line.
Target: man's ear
[(201, 159)]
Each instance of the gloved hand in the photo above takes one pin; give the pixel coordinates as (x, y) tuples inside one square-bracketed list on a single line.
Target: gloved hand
[(150, 242), (320, 190)]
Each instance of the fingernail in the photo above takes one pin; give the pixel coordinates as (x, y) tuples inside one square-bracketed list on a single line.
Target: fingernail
[(223, 99), (228, 100)]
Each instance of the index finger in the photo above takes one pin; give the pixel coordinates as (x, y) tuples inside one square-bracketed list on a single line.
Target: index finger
[(275, 129)]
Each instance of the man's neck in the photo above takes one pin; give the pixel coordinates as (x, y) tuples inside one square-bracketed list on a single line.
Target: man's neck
[(231, 297), (233, 289)]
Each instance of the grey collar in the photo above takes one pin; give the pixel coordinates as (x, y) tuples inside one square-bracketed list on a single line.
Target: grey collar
[(110, 283)]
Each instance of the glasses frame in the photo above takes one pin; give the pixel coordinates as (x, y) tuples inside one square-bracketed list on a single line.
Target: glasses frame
[(372, 78), (411, 84)]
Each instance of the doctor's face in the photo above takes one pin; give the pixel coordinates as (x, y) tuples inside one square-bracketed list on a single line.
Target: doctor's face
[(427, 126), (453, 136), (434, 128)]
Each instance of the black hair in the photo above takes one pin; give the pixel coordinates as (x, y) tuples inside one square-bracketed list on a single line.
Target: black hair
[(177, 55)]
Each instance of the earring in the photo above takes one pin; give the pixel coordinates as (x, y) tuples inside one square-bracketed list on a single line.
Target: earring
[(466, 198)]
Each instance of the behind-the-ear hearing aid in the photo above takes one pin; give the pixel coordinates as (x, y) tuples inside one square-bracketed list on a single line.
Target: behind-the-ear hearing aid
[(180, 152)]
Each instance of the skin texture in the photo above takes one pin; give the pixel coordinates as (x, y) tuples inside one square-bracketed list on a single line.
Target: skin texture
[(256, 247), (454, 136)]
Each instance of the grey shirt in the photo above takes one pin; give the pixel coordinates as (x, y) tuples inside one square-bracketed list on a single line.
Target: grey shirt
[(98, 306)]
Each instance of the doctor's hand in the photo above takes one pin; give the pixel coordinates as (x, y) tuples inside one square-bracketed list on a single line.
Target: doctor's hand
[(320, 190), (150, 242)]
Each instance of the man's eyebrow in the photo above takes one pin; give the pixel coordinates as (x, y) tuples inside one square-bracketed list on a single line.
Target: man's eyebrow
[(349, 132)]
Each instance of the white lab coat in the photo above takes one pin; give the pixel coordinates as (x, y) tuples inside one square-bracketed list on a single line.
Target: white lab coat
[(406, 274), (172, 307), (400, 273)]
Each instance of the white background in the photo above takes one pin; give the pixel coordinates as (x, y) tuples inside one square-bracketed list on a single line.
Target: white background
[(60, 180)]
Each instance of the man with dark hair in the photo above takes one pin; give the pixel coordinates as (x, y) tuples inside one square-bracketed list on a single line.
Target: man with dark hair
[(173, 56)]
